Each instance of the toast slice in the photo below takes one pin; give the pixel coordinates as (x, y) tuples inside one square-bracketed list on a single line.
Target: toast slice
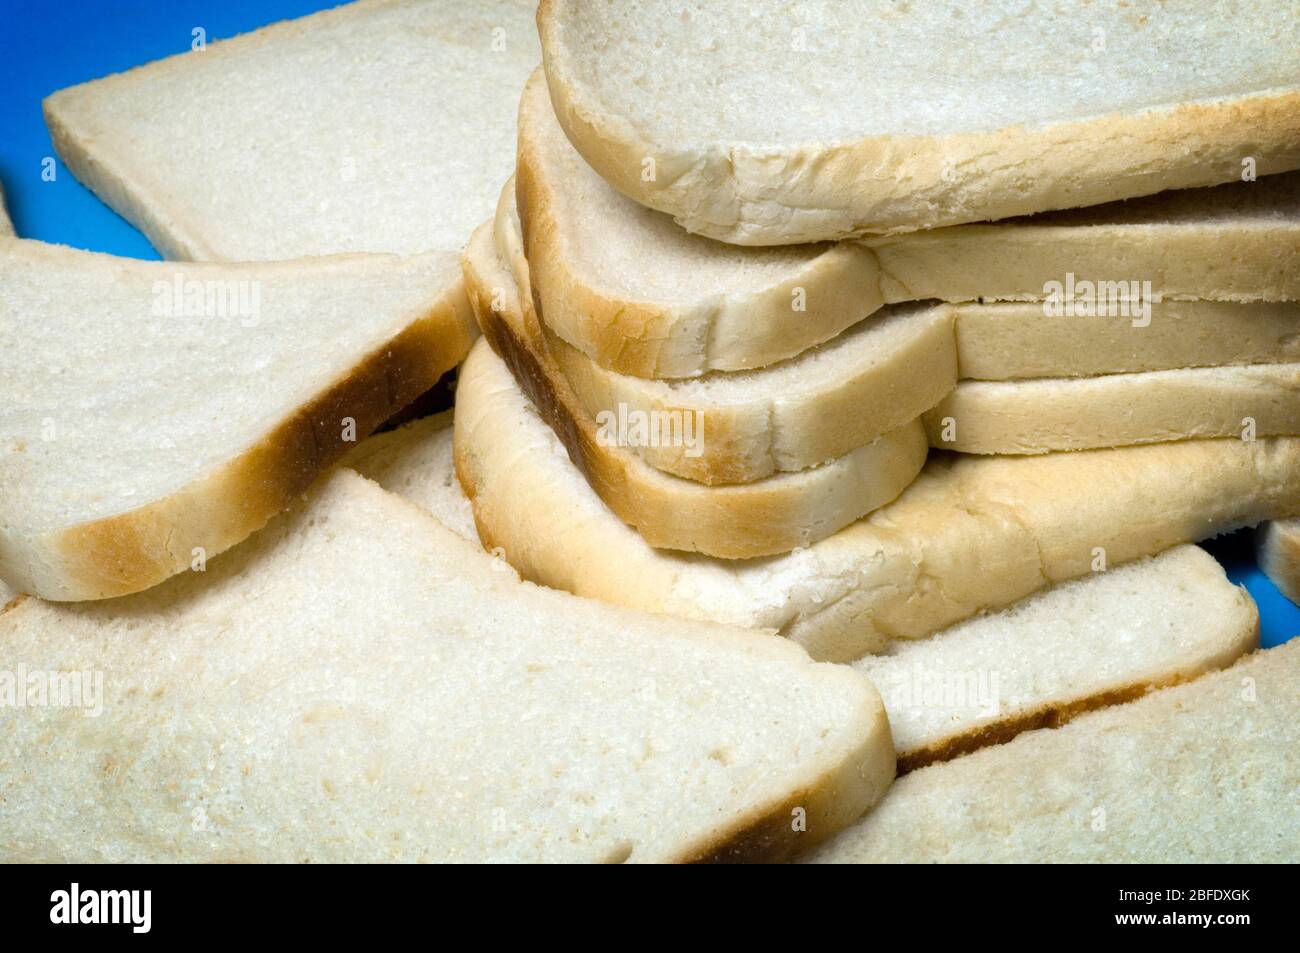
[(819, 122), (878, 376), (357, 683), (970, 535), (1116, 410), (640, 296), (156, 414), (1199, 773), (1105, 638), (1279, 556), (739, 521), (1019, 340), (334, 127)]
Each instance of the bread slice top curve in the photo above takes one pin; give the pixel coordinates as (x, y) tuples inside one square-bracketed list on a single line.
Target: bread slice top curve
[(828, 401), (1201, 772), (361, 660), (1082, 644), (377, 126), (639, 295), (628, 287), (156, 413), (826, 120), (517, 377)]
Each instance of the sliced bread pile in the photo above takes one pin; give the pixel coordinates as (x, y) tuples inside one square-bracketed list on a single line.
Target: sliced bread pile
[(872, 414), (750, 398)]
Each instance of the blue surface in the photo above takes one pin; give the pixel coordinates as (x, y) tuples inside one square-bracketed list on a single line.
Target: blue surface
[(44, 48)]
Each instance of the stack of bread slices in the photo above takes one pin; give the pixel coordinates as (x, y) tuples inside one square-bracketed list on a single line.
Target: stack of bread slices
[(864, 412)]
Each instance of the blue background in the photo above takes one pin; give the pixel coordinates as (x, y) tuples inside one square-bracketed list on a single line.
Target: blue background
[(44, 47)]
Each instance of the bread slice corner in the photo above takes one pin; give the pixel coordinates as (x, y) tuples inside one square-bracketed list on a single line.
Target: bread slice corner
[(1104, 638), (155, 414), (1279, 555), (1199, 772)]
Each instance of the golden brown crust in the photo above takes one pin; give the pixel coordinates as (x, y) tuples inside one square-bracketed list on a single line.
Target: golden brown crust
[(888, 184), (138, 549), (644, 338), (1279, 556), (828, 804), (732, 522)]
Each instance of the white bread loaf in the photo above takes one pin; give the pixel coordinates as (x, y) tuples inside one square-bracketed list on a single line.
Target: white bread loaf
[(324, 134)]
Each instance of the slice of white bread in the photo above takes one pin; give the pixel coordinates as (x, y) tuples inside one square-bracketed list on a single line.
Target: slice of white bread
[(1017, 340), (736, 521), (771, 125), (878, 376), (1175, 240), (1198, 773), (154, 414), (357, 683), (1115, 410), (771, 515), (635, 293), (1279, 556), (330, 133), (1102, 639), (971, 534), (415, 461)]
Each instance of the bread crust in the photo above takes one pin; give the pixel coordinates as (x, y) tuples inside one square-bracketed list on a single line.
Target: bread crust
[(140, 548), (1279, 556), (835, 799), (1117, 410), (746, 195), (647, 338), (775, 429), (1056, 714), (971, 535), (734, 522)]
